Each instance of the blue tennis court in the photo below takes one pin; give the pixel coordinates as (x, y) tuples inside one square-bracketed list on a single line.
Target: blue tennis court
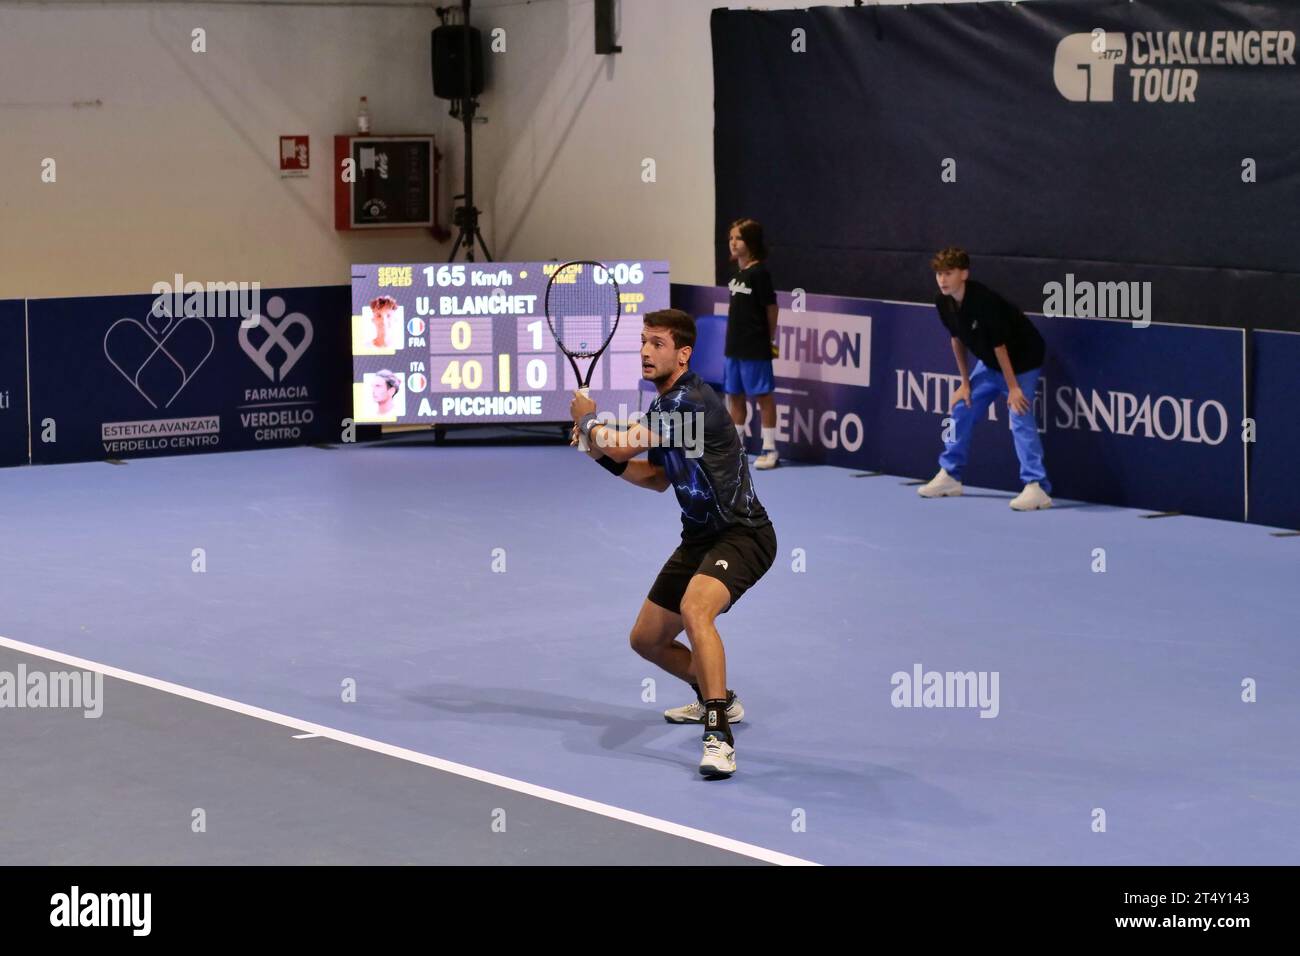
[(441, 602)]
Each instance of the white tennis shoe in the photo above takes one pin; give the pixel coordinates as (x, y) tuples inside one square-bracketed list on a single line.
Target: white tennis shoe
[(1033, 498), (942, 485), (693, 713), (719, 758)]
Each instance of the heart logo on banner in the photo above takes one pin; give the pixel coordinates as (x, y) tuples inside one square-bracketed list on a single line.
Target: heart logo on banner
[(275, 335), (160, 356)]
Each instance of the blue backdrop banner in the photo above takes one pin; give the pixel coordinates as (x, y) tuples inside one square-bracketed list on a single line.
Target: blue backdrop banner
[(1151, 144), (1140, 417), (119, 377), (1275, 455), (13, 383)]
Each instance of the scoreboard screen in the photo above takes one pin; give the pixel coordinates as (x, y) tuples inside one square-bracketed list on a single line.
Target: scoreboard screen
[(468, 342)]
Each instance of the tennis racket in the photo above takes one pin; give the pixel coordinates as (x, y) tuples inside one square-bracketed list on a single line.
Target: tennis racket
[(582, 308)]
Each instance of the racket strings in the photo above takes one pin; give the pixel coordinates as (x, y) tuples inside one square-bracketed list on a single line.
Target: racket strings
[(582, 313)]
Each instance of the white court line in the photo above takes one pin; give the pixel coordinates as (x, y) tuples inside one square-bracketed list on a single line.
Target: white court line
[(413, 756)]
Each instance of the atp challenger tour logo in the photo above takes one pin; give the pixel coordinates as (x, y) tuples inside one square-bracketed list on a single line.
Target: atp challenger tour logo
[(1160, 64)]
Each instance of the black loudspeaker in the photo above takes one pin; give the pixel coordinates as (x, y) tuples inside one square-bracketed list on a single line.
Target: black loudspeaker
[(605, 28), (448, 55)]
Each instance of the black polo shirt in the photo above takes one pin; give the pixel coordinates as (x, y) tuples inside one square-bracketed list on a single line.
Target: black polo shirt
[(714, 489), (985, 320), (748, 335)]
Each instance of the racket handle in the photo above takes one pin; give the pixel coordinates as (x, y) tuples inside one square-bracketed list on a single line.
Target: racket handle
[(583, 444)]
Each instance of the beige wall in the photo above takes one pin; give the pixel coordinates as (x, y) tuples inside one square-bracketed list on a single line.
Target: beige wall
[(176, 169)]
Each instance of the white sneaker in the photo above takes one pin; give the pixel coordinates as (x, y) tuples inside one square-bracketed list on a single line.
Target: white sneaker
[(719, 758), (767, 460), (693, 713), (1033, 498), (942, 485)]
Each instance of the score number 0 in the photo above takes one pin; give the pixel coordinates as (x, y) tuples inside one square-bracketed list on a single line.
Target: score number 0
[(458, 374)]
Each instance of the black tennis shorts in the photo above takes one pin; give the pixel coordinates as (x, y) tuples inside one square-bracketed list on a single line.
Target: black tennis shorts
[(737, 557)]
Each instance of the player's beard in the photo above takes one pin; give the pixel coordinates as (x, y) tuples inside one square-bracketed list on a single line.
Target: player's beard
[(657, 375)]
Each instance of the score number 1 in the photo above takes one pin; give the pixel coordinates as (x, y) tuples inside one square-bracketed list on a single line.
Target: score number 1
[(535, 370)]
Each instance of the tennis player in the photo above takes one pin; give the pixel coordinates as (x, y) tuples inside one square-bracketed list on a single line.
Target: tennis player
[(727, 542)]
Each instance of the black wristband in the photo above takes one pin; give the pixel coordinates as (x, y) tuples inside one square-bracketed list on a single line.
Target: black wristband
[(615, 468)]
